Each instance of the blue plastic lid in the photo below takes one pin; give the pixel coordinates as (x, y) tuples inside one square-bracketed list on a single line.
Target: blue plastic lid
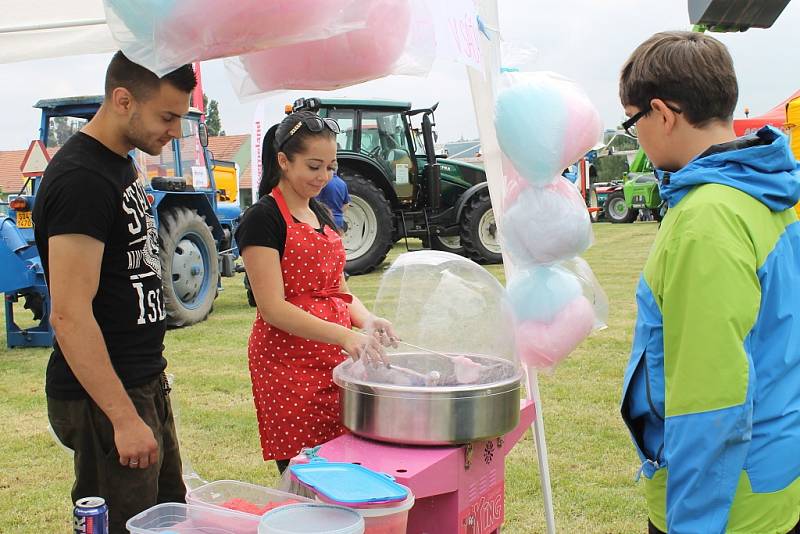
[(345, 483)]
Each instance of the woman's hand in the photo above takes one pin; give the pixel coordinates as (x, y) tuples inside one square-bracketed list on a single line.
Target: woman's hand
[(383, 331), (358, 345)]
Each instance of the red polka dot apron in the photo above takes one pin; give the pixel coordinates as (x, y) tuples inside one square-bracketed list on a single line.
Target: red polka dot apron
[(297, 403)]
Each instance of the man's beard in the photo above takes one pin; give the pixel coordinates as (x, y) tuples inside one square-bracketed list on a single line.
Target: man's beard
[(137, 137)]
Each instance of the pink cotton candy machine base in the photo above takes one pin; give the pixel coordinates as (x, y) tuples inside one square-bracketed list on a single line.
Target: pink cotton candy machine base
[(457, 489)]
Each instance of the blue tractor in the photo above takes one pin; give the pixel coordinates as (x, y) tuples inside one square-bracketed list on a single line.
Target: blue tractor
[(195, 227)]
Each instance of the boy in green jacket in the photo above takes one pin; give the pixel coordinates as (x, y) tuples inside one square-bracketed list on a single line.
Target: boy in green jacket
[(711, 394)]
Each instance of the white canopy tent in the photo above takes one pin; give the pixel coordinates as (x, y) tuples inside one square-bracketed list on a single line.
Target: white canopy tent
[(37, 29)]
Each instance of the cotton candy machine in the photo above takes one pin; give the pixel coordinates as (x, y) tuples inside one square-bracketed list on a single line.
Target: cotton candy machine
[(454, 377)]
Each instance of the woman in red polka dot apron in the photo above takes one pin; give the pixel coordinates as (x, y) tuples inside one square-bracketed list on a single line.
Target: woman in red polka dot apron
[(305, 311)]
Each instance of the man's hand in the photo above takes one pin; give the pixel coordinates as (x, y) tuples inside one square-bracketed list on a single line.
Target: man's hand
[(135, 443)]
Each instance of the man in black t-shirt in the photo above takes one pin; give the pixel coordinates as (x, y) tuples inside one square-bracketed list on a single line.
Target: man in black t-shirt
[(107, 396)]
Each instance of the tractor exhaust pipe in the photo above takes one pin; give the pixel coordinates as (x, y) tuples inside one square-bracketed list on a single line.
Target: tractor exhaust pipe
[(433, 173)]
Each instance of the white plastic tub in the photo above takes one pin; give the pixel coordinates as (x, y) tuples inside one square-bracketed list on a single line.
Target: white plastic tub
[(315, 518)]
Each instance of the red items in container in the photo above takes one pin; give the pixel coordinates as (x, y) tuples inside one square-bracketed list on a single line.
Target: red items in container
[(242, 505)]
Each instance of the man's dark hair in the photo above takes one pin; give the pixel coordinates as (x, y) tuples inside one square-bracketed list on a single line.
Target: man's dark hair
[(693, 70), (141, 82)]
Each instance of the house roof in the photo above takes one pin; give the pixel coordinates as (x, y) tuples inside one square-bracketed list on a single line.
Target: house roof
[(234, 148), (11, 179), (225, 147)]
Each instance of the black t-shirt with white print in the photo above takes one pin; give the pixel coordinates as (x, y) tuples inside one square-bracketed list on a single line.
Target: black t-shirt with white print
[(90, 190)]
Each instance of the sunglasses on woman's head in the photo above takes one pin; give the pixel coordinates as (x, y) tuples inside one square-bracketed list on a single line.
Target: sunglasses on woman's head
[(314, 124)]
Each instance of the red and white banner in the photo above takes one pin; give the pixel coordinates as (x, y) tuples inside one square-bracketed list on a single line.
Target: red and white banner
[(256, 139)]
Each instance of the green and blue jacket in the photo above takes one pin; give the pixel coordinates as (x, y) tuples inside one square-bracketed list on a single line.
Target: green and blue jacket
[(711, 394)]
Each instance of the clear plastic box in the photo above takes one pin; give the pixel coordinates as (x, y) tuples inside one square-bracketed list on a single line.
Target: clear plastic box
[(173, 518), (217, 494), (391, 518)]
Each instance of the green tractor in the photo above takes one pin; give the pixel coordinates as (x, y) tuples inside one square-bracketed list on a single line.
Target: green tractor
[(638, 190), (400, 188)]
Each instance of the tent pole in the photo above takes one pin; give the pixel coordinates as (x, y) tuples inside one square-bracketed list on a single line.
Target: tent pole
[(482, 85), (52, 26)]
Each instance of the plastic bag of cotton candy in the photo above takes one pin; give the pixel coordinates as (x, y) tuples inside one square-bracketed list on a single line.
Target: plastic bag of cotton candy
[(397, 37), (555, 308), (544, 123), (544, 225), (162, 35)]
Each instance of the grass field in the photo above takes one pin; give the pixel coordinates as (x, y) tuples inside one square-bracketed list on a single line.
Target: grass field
[(592, 463)]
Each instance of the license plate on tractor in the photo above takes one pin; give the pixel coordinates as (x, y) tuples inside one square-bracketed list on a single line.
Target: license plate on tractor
[(24, 219)]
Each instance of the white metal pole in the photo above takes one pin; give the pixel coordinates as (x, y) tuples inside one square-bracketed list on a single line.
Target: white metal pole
[(541, 449), (483, 90), (53, 25)]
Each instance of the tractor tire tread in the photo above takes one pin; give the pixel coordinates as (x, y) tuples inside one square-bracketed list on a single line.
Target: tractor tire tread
[(471, 218), (373, 258), (175, 222)]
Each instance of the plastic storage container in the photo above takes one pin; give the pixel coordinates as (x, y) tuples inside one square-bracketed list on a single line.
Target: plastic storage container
[(389, 518), (311, 519), (173, 518), (240, 496)]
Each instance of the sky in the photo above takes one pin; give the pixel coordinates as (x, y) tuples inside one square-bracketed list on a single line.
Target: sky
[(586, 40)]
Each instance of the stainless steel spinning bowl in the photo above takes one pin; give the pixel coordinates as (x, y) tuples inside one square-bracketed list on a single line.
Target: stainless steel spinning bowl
[(431, 415)]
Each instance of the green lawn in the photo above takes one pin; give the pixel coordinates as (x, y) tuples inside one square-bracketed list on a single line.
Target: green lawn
[(592, 463)]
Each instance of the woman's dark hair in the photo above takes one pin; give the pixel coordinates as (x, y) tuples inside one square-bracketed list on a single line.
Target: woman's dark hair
[(291, 140)]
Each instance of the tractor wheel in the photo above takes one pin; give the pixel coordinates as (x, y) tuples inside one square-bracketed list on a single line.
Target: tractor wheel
[(617, 211), (189, 266), (479, 230), (368, 238), (450, 243)]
